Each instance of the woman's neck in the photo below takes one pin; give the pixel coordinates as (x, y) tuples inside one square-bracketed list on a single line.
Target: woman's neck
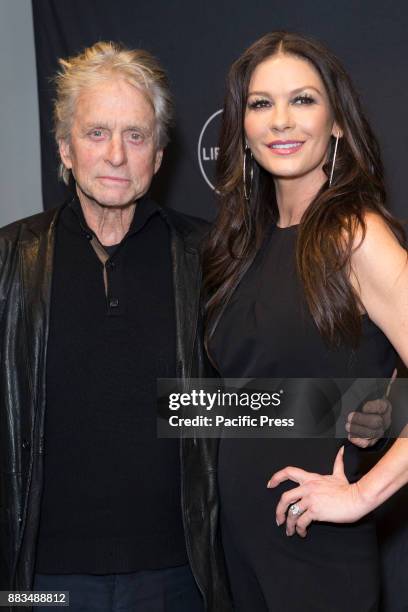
[(294, 196)]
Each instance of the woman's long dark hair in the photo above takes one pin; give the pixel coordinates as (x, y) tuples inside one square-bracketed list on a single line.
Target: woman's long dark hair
[(328, 227)]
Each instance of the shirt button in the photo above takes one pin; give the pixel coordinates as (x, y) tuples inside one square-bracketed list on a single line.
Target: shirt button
[(113, 302), (111, 264), (25, 444)]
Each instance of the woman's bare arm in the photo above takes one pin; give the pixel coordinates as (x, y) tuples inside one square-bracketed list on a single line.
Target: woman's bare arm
[(380, 277)]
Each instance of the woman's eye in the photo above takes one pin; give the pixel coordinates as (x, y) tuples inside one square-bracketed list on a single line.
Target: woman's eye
[(262, 103), (305, 99)]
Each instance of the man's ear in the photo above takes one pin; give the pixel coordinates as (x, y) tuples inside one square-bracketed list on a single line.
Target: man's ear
[(65, 152), (158, 160)]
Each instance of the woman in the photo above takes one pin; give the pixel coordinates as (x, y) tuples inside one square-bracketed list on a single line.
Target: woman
[(292, 292)]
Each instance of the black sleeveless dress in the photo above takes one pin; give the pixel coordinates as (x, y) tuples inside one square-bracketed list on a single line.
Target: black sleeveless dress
[(266, 331)]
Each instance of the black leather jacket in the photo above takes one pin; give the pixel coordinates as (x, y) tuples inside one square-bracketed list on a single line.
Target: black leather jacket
[(26, 267)]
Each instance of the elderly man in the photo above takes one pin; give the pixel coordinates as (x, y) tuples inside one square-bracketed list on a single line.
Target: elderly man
[(98, 299)]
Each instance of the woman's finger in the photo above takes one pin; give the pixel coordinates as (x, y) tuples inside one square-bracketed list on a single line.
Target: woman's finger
[(287, 499), (295, 512), (338, 466), (303, 523), (288, 473)]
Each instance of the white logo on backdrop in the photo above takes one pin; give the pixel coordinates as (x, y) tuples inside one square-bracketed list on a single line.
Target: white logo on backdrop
[(207, 149)]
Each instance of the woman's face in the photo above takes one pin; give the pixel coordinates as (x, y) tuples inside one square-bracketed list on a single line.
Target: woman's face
[(288, 119)]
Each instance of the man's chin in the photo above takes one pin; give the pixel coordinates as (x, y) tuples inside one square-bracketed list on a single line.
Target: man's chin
[(108, 200)]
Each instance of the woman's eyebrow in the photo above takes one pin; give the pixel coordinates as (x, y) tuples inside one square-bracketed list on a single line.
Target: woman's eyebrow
[(292, 93)]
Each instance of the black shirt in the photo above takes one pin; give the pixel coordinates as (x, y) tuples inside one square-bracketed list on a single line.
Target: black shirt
[(111, 500)]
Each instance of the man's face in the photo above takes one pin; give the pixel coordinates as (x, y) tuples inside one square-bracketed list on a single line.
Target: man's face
[(111, 150)]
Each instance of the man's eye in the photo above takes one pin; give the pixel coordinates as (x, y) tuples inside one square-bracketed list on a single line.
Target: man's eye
[(136, 137), (260, 103), (96, 133), (305, 99)]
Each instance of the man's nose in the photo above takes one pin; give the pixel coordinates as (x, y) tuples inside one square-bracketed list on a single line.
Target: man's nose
[(116, 153), (281, 118)]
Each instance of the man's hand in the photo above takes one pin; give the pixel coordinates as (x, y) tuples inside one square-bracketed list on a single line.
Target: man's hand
[(365, 428)]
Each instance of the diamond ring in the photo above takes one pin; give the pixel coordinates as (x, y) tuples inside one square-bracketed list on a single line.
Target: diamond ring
[(295, 510)]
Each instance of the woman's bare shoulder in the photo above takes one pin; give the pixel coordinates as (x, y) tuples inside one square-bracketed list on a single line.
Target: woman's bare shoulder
[(376, 247)]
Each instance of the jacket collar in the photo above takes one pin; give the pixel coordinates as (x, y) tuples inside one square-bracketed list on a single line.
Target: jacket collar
[(179, 224), (39, 225)]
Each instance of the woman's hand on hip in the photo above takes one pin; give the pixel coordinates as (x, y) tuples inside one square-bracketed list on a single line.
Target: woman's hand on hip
[(317, 498)]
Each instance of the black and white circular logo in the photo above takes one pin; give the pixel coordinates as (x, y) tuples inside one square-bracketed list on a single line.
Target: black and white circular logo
[(207, 149)]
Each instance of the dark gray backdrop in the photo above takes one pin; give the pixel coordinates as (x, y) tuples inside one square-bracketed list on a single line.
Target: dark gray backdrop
[(196, 42)]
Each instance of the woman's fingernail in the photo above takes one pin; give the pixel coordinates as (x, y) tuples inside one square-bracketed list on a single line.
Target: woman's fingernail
[(278, 523)]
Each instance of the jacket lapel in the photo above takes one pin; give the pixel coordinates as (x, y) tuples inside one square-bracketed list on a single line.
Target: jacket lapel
[(187, 284), (36, 262)]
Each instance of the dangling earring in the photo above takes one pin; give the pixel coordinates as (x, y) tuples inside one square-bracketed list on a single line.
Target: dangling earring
[(247, 192), (334, 159)]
